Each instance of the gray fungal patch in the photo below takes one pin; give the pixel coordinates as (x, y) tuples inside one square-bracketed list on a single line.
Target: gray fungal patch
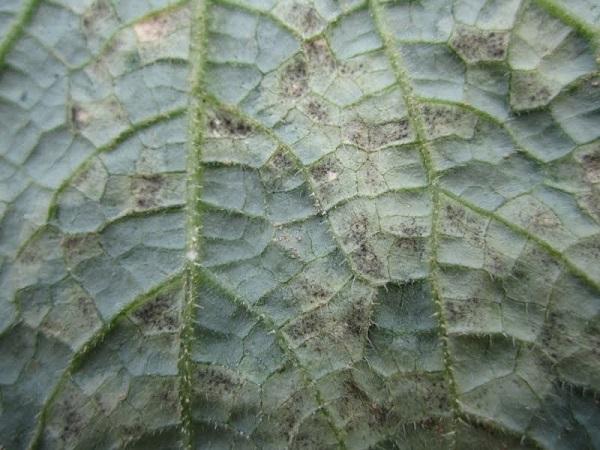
[(146, 189), (223, 124), (294, 78), (528, 90), (319, 55), (475, 45), (371, 137)]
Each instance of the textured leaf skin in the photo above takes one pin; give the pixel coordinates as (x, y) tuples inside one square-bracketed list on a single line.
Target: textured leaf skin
[(299, 224)]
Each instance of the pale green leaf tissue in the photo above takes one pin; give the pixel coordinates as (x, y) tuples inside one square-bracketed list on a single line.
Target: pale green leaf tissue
[(300, 224)]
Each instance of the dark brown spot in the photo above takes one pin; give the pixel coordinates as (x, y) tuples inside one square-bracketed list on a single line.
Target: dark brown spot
[(367, 260), (386, 133), (214, 383), (308, 325), (320, 171), (309, 19), (477, 45), (159, 314), (222, 124), (358, 319), (97, 15), (145, 189), (591, 166), (316, 111), (319, 55), (529, 91), (358, 229), (280, 172), (294, 80)]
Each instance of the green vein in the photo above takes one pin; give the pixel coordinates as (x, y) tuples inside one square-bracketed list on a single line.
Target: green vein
[(16, 29), (205, 98), (417, 122), (91, 345), (523, 232), (556, 9), (198, 48)]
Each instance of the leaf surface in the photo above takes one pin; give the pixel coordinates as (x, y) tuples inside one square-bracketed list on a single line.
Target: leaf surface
[(300, 224)]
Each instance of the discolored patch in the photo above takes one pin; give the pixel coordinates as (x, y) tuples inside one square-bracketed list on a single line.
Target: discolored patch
[(80, 117), (445, 120), (316, 111), (159, 314), (325, 170), (145, 190), (302, 17), (590, 161), (307, 326), (294, 78), (475, 45), (358, 318), (529, 90), (319, 54), (223, 124), (80, 247), (154, 28), (280, 173), (367, 261), (95, 18)]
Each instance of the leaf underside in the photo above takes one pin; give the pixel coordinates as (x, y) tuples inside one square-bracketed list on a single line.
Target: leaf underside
[(304, 224)]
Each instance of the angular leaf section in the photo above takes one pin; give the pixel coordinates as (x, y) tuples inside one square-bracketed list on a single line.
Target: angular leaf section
[(415, 287), (92, 98), (126, 391)]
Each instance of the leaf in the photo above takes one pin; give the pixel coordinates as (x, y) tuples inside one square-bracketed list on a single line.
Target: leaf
[(300, 224)]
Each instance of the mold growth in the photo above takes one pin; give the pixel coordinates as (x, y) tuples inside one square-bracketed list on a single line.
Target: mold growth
[(371, 137), (359, 226), (81, 247), (589, 159), (309, 19), (367, 261), (446, 120), (280, 173), (325, 170), (294, 78), (388, 133), (316, 111), (364, 255), (358, 318), (319, 55), (96, 17), (145, 190), (528, 90), (217, 382), (475, 45), (302, 17), (223, 124), (159, 314), (309, 325), (313, 292)]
